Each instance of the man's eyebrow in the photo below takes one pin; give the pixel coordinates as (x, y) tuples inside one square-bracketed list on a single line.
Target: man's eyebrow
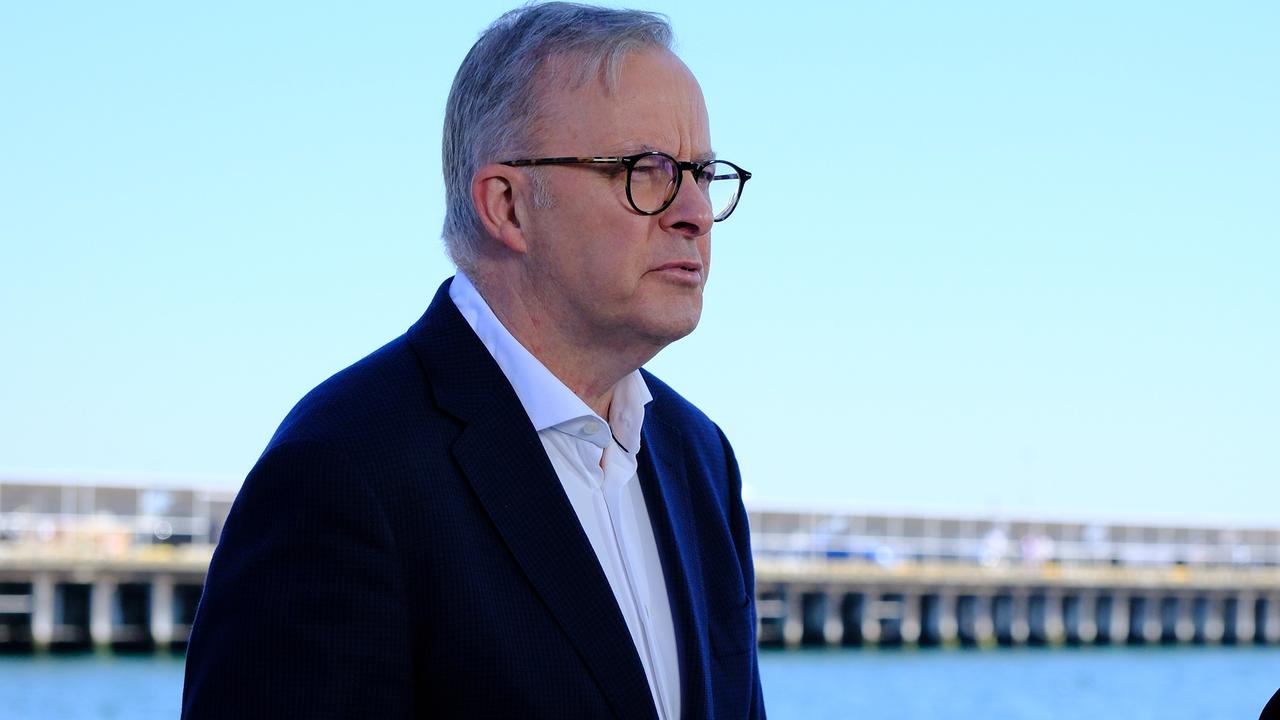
[(632, 148)]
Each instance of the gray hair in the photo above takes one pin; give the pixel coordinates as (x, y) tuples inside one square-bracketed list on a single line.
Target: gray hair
[(494, 104)]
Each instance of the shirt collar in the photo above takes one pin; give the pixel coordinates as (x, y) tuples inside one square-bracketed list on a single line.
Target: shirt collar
[(548, 401)]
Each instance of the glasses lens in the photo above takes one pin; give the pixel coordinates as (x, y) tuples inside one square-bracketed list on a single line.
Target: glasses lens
[(653, 182), (721, 183)]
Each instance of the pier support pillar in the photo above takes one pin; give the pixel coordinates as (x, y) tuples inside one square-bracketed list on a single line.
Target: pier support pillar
[(1044, 618), (1168, 612), (1184, 628), (937, 619), (851, 612), (1267, 625), (1151, 620), (973, 616), (1021, 629), (1230, 620), (1088, 631), (983, 626), (1214, 627), (1168, 608), (1206, 619), (1104, 614), (1079, 618), (101, 610), (1071, 618), (1053, 622), (871, 618), (816, 606), (42, 610), (1244, 617), (162, 610), (1119, 620), (1112, 612), (947, 625), (910, 618), (793, 625), (1001, 615), (1273, 619), (1137, 606), (1009, 615), (833, 628)]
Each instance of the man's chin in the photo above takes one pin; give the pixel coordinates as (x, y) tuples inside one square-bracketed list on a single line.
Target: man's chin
[(674, 326), (661, 318)]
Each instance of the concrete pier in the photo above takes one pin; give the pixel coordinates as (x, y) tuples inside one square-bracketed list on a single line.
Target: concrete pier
[(139, 601), (859, 603), (123, 568), (827, 603)]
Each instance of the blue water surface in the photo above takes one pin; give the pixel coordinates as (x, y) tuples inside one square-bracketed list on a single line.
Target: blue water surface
[(1195, 683)]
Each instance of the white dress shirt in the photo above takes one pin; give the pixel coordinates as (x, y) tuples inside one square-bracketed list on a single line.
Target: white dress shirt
[(596, 464)]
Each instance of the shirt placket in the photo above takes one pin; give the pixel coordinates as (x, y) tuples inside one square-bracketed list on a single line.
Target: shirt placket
[(618, 473), (608, 516)]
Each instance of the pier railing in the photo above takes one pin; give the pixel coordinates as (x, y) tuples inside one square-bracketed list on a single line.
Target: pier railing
[(994, 541)]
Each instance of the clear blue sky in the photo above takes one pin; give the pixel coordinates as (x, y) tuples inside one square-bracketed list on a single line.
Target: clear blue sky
[(1013, 257)]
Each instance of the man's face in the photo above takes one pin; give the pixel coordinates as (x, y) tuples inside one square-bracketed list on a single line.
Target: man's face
[(605, 273)]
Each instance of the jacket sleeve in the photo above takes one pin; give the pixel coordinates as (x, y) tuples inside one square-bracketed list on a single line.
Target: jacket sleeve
[(741, 531), (1272, 709), (303, 612)]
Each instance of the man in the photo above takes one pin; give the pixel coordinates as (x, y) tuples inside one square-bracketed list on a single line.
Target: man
[(498, 514)]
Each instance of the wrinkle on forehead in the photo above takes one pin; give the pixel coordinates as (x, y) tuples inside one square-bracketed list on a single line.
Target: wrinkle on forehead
[(633, 146), (673, 122)]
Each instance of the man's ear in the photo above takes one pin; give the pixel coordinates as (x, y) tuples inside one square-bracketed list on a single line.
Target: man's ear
[(497, 192)]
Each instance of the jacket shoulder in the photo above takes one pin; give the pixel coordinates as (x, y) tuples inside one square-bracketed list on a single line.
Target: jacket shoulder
[(383, 390), (671, 408)]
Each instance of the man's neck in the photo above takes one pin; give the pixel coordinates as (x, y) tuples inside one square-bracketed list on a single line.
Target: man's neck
[(590, 371)]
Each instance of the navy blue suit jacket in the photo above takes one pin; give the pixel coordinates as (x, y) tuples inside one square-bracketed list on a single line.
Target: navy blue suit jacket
[(403, 548)]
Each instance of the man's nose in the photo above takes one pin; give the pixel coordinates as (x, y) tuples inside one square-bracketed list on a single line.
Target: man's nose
[(690, 212)]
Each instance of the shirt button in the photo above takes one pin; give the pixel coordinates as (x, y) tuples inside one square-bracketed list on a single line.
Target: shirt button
[(591, 428)]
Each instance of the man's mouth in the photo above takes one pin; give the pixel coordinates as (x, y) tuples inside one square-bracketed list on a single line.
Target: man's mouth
[(683, 271)]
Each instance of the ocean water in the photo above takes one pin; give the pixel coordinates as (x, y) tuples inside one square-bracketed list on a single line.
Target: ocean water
[(1195, 683)]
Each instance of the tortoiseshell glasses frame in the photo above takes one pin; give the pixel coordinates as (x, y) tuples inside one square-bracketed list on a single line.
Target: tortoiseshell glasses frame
[(720, 180)]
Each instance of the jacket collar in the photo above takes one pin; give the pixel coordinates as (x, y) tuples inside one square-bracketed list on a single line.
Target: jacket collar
[(528, 508), (666, 493)]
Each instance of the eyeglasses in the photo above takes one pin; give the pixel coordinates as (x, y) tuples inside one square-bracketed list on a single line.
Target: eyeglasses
[(653, 179)]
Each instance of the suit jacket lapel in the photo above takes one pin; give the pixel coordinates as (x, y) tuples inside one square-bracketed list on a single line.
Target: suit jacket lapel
[(503, 459), (666, 495)]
